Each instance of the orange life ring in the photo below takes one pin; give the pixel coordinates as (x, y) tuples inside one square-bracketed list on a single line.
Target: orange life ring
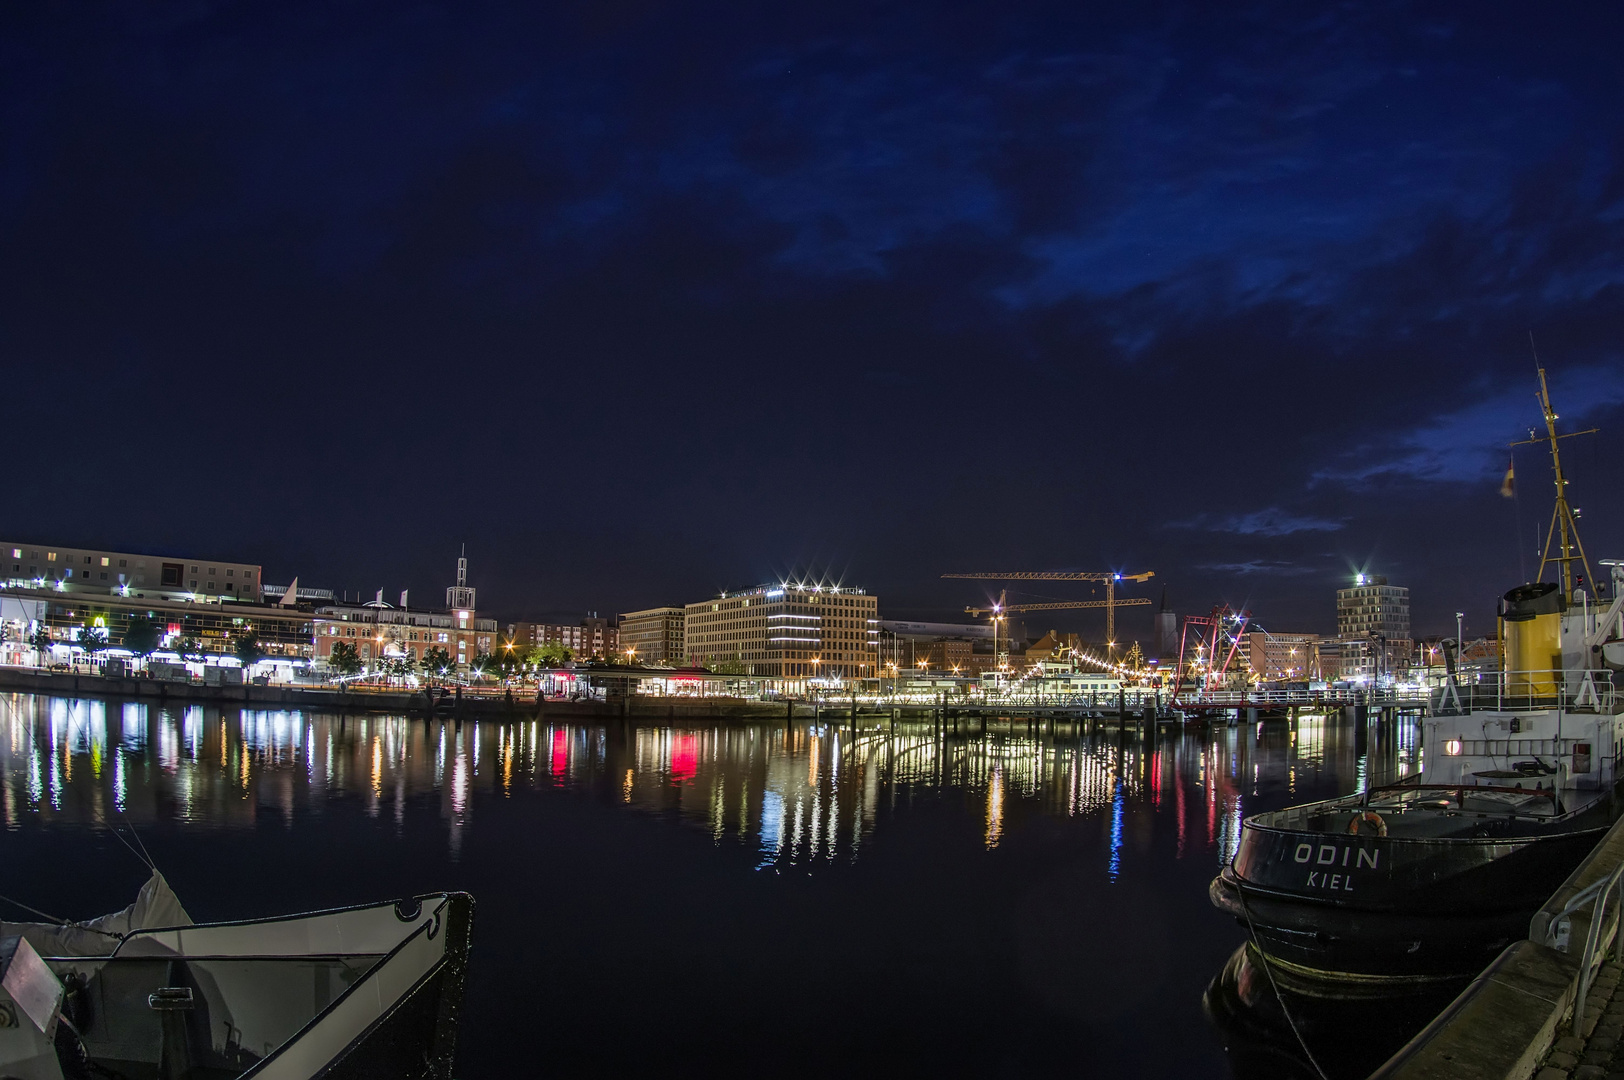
[(1368, 817)]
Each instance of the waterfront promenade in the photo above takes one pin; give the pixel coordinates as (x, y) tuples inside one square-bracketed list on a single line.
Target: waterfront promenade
[(620, 697), (357, 698)]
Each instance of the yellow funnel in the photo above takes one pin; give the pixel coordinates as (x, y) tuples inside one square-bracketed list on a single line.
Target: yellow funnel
[(1531, 628)]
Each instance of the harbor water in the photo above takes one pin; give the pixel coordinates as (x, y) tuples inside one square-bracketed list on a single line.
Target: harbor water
[(740, 898)]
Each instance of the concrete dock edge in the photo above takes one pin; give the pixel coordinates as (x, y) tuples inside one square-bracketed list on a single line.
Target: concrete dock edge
[(1504, 1023)]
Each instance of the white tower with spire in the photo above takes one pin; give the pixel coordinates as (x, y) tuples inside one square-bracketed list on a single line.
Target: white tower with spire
[(460, 595)]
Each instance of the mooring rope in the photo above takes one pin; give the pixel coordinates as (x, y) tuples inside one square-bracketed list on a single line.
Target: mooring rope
[(1268, 970)]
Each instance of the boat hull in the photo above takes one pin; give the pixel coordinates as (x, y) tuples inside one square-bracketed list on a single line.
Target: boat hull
[(365, 993), (1393, 909)]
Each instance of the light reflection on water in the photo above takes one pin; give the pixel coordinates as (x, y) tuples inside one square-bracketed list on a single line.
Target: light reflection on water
[(793, 795), (714, 850)]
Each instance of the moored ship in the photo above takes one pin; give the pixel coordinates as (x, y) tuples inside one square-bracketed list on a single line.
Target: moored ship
[(1430, 878)]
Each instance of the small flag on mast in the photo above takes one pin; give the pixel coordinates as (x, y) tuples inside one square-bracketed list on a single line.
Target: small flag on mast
[(1508, 486)]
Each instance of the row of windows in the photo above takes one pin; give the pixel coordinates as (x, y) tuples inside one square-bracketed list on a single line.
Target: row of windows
[(102, 575), (412, 620), (104, 560), (207, 626), (350, 631), (804, 605)]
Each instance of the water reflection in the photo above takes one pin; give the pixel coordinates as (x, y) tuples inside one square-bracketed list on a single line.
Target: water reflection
[(1049, 854), (1297, 1030), (793, 794)]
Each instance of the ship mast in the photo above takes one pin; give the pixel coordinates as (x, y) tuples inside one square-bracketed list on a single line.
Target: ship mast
[(1564, 530)]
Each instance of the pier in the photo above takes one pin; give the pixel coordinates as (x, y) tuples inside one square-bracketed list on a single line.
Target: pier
[(1133, 706), (1546, 1006)]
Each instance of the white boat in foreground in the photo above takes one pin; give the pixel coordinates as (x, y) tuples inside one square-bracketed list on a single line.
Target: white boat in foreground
[(365, 992)]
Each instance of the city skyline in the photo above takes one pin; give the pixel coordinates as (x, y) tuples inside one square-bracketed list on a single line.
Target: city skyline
[(46, 559), (645, 303)]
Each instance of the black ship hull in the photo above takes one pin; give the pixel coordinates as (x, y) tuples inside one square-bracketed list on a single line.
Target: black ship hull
[(1278, 1027), (1395, 909)]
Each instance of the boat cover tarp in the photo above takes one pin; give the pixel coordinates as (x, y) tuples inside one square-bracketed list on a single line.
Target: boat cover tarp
[(156, 905)]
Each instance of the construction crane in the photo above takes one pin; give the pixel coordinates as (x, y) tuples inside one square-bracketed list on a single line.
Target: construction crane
[(1110, 603)]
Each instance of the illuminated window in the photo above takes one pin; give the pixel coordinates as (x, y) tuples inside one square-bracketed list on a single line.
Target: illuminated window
[(50, 556), (107, 562)]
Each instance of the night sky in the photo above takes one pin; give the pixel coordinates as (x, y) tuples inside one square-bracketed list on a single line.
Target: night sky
[(640, 301)]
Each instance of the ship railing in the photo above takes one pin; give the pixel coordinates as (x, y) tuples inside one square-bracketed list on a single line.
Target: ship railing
[(1329, 696), (1420, 792), (1405, 796), (1586, 690), (1559, 930)]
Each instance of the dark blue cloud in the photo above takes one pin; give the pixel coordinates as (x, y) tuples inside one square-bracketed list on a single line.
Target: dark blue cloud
[(893, 287), (1272, 521), (1260, 567), (1470, 443)]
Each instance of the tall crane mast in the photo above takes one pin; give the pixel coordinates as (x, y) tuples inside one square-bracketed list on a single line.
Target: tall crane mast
[(1110, 603), (1564, 520)]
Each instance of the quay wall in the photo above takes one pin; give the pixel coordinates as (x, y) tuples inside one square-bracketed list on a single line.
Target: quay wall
[(496, 703), (325, 699), (1503, 1025)]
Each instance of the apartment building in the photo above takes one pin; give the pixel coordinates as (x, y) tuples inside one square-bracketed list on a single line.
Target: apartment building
[(593, 638), (1282, 656), (654, 635)]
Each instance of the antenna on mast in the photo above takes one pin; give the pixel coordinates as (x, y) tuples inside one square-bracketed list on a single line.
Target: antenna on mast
[(1564, 530)]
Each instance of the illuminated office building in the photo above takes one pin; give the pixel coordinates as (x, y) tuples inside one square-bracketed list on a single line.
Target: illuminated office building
[(787, 630)]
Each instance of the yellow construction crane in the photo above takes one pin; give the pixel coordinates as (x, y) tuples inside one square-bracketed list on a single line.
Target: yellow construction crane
[(1110, 603)]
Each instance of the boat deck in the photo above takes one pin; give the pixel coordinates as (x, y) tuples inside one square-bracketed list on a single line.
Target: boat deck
[(1430, 811)]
